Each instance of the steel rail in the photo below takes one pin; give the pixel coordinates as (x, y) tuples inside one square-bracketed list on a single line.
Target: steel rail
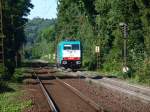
[(136, 91), (49, 100), (74, 90), (79, 94)]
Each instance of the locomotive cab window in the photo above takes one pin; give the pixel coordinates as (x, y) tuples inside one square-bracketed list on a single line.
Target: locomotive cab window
[(75, 47), (72, 47), (67, 47)]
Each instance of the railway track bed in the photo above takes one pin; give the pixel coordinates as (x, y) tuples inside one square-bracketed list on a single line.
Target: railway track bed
[(108, 99), (64, 97), (35, 94), (114, 95)]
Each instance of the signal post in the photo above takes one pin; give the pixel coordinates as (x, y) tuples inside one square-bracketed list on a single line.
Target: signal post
[(97, 51)]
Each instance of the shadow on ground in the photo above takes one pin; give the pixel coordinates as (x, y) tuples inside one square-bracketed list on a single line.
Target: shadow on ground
[(5, 88)]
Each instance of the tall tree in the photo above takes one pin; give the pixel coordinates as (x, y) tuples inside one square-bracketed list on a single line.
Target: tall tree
[(13, 22), (97, 22), (76, 20)]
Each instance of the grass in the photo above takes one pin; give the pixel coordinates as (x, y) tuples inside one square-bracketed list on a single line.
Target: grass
[(11, 101), (134, 79), (18, 75), (139, 81)]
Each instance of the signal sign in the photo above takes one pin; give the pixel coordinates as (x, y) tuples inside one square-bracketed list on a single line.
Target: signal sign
[(97, 49)]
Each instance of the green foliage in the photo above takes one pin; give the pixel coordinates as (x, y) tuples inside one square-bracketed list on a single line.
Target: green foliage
[(10, 102), (48, 34), (40, 35), (14, 13), (89, 63), (96, 22), (41, 49), (142, 74), (3, 86), (2, 70), (34, 28), (75, 21), (93, 22), (18, 75)]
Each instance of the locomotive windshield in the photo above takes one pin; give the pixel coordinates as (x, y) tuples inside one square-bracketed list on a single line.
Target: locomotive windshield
[(75, 46), (72, 47), (67, 47)]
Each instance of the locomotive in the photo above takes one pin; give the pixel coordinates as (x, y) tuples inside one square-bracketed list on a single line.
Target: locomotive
[(69, 54)]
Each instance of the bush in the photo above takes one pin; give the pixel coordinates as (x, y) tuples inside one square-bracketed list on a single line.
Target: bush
[(18, 75), (11, 101), (142, 79), (2, 70), (3, 86), (142, 74), (112, 66), (89, 63)]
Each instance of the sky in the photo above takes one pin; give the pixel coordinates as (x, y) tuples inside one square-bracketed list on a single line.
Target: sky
[(44, 9)]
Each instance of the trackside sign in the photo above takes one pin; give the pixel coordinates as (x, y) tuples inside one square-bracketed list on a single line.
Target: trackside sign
[(97, 49)]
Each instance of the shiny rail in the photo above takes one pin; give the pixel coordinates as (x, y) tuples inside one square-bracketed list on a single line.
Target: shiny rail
[(79, 94), (49, 100)]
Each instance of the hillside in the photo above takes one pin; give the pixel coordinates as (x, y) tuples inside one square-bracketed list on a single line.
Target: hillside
[(34, 27)]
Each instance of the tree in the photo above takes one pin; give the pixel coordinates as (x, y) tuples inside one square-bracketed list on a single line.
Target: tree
[(14, 13)]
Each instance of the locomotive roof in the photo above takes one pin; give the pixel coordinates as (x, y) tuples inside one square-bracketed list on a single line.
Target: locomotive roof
[(70, 42)]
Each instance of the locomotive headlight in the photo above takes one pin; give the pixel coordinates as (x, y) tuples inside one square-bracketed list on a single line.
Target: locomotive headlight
[(78, 62), (64, 62)]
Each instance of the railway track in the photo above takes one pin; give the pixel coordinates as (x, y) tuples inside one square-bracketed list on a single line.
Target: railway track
[(79, 101), (140, 92), (112, 95), (137, 91), (49, 99), (136, 97)]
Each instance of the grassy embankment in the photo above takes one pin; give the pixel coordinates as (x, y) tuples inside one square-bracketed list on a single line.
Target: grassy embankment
[(11, 95)]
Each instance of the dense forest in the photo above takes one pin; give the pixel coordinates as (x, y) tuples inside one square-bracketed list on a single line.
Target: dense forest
[(40, 35), (119, 28), (96, 22), (93, 22), (14, 18), (34, 27)]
